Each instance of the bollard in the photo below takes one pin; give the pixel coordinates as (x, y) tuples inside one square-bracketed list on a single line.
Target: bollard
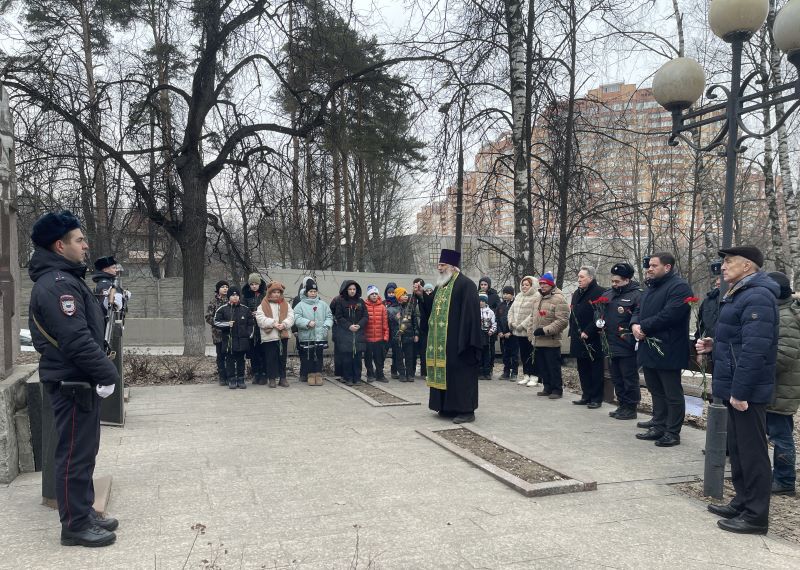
[(112, 409), (716, 445)]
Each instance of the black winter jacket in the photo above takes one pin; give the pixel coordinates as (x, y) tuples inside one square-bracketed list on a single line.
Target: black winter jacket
[(236, 338), (746, 341), (349, 311), (68, 311), (252, 300), (709, 313), (621, 305), (501, 315), (582, 320), (664, 314)]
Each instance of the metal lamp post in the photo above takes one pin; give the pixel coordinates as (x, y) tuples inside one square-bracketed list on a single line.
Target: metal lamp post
[(444, 109), (678, 85)]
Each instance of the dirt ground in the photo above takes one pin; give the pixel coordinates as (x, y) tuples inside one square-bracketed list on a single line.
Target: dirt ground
[(516, 464), (377, 394)]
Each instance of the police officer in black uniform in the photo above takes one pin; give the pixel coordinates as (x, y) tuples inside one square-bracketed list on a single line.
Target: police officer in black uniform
[(66, 323)]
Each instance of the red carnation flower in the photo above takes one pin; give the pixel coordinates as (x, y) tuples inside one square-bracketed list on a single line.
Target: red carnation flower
[(691, 300), (542, 313)]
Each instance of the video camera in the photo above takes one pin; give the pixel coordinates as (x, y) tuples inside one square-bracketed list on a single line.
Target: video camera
[(715, 267)]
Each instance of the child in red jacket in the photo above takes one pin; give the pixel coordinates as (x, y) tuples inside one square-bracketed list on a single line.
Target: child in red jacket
[(377, 335)]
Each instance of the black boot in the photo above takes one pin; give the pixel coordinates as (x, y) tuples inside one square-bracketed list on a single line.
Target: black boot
[(92, 535), (240, 383), (222, 380), (232, 383), (626, 413), (613, 413)]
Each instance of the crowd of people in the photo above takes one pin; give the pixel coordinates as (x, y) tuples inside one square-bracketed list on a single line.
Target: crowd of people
[(750, 331)]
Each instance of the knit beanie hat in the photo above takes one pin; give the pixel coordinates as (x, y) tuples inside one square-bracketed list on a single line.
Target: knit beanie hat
[(508, 289), (399, 292), (233, 291), (548, 279), (372, 289), (483, 297), (428, 287), (254, 278), (311, 285), (220, 284)]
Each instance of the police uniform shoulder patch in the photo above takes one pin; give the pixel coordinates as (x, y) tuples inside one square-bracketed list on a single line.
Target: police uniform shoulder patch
[(67, 303)]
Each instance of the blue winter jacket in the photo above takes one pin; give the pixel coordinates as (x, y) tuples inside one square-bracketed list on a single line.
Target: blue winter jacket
[(746, 341)]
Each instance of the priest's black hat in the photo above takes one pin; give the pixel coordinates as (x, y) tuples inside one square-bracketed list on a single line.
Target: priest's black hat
[(450, 257)]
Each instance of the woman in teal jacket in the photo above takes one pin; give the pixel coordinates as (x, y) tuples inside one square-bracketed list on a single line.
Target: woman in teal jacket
[(313, 320)]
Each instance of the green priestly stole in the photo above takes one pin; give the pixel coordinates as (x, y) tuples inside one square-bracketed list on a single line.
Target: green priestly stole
[(436, 351)]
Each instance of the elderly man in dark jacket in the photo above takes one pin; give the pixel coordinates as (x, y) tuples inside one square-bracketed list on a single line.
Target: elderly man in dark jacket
[(781, 411), (745, 347), (661, 328), (584, 339), (623, 300)]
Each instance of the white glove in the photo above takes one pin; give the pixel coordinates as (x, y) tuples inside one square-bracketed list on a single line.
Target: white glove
[(105, 391)]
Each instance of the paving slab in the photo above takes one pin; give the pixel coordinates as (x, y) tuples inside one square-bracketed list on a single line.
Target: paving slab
[(315, 477)]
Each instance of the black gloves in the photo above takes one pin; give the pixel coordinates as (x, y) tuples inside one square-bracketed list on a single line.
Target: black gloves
[(538, 332)]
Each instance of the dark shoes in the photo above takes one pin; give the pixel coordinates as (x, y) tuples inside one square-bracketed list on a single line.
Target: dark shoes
[(382, 379), (580, 402), (505, 376), (283, 383), (554, 396), (222, 381), (232, 384), (464, 418), (652, 434), (545, 393), (724, 511), (272, 383), (626, 413), (613, 413), (645, 425), (668, 440), (92, 535), (741, 526), (240, 384), (106, 523), (593, 405), (395, 375), (778, 489)]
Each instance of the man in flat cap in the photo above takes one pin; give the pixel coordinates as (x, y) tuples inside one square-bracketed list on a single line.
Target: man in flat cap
[(455, 342), (623, 300), (745, 347), (66, 323)]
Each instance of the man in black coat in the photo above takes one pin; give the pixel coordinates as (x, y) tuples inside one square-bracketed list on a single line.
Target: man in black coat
[(66, 323), (709, 313), (623, 300), (585, 344), (661, 328)]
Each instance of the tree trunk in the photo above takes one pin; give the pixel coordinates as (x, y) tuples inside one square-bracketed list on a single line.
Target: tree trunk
[(192, 242), (522, 203)]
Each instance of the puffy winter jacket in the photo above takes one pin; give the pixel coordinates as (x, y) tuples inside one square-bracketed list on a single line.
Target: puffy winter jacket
[(377, 324), (664, 314), (520, 316), (746, 341), (69, 312), (211, 309), (316, 310), (551, 314), (267, 321), (252, 300), (583, 320), (395, 313), (236, 337), (349, 311), (622, 302), (787, 369)]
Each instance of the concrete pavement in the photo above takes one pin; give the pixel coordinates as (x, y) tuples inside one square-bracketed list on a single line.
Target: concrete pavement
[(314, 477)]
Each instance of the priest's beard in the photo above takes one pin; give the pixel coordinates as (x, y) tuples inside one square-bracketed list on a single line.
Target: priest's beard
[(444, 276)]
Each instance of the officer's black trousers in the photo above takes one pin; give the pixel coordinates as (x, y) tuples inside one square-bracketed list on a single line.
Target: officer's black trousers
[(625, 375), (78, 443), (751, 471), (590, 373)]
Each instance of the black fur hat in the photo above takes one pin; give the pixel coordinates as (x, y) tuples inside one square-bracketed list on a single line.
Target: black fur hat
[(624, 270), (51, 227), (104, 262)]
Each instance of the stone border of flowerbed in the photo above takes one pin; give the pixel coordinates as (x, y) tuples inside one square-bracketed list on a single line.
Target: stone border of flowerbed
[(372, 401), (570, 484)]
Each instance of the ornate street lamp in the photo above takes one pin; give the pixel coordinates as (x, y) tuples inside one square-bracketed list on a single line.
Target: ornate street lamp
[(678, 85)]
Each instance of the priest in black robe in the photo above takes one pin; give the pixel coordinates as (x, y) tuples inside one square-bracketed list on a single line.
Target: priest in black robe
[(455, 341)]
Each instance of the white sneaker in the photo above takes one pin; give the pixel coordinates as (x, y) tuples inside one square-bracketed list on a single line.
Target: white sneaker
[(533, 381), (525, 380)]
